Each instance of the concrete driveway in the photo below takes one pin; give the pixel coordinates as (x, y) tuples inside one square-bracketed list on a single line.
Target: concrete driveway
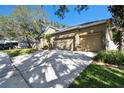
[(9, 76), (44, 69)]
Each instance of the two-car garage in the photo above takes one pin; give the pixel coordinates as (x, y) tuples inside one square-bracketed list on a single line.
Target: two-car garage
[(91, 42), (91, 37)]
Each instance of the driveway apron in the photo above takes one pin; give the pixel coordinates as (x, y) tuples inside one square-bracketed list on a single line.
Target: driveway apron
[(43, 69), (53, 68)]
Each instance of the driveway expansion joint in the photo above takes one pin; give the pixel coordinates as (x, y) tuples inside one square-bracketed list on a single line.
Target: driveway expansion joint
[(28, 84)]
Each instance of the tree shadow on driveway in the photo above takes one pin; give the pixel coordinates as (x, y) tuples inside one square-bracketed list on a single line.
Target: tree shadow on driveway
[(53, 68), (9, 77)]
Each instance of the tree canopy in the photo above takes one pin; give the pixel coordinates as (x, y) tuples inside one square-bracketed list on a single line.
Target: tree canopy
[(62, 9), (26, 23), (117, 12)]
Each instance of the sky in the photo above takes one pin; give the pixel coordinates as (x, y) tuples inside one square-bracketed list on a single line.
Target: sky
[(94, 12)]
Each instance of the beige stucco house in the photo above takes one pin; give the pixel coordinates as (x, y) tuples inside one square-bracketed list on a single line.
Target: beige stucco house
[(91, 36), (49, 30)]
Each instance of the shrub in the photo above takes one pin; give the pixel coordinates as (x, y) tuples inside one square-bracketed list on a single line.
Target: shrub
[(26, 51), (112, 57), (16, 52), (13, 52), (45, 47)]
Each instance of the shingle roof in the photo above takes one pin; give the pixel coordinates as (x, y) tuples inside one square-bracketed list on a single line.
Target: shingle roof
[(84, 25), (53, 28)]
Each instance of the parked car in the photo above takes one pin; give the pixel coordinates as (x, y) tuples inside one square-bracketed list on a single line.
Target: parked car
[(1, 46), (8, 45)]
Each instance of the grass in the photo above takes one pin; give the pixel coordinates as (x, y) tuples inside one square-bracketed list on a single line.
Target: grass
[(99, 76), (16, 52)]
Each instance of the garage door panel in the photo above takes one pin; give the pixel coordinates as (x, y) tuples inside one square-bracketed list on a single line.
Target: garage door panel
[(66, 44), (91, 42)]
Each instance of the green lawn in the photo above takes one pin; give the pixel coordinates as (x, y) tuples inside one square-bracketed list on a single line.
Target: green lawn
[(97, 76), (16, 52)]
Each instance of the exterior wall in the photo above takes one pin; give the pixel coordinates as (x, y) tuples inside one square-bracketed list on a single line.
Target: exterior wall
[(43, 42), (50, 31), (109, 41), (85, 39)]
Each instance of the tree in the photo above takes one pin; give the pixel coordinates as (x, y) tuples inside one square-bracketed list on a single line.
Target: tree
[(57, 24), (39, 20), (22, 15), (48, 38), (62, 9), (29, 22), (117, 12), (8, 27), (1, 36)]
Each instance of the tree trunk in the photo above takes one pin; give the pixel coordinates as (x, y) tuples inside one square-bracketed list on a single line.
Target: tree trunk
[(49, 44), (28, 41), (122, 39), (119, 43)]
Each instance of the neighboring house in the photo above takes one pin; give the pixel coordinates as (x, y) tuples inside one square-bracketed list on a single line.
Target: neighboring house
[(91, 36)]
